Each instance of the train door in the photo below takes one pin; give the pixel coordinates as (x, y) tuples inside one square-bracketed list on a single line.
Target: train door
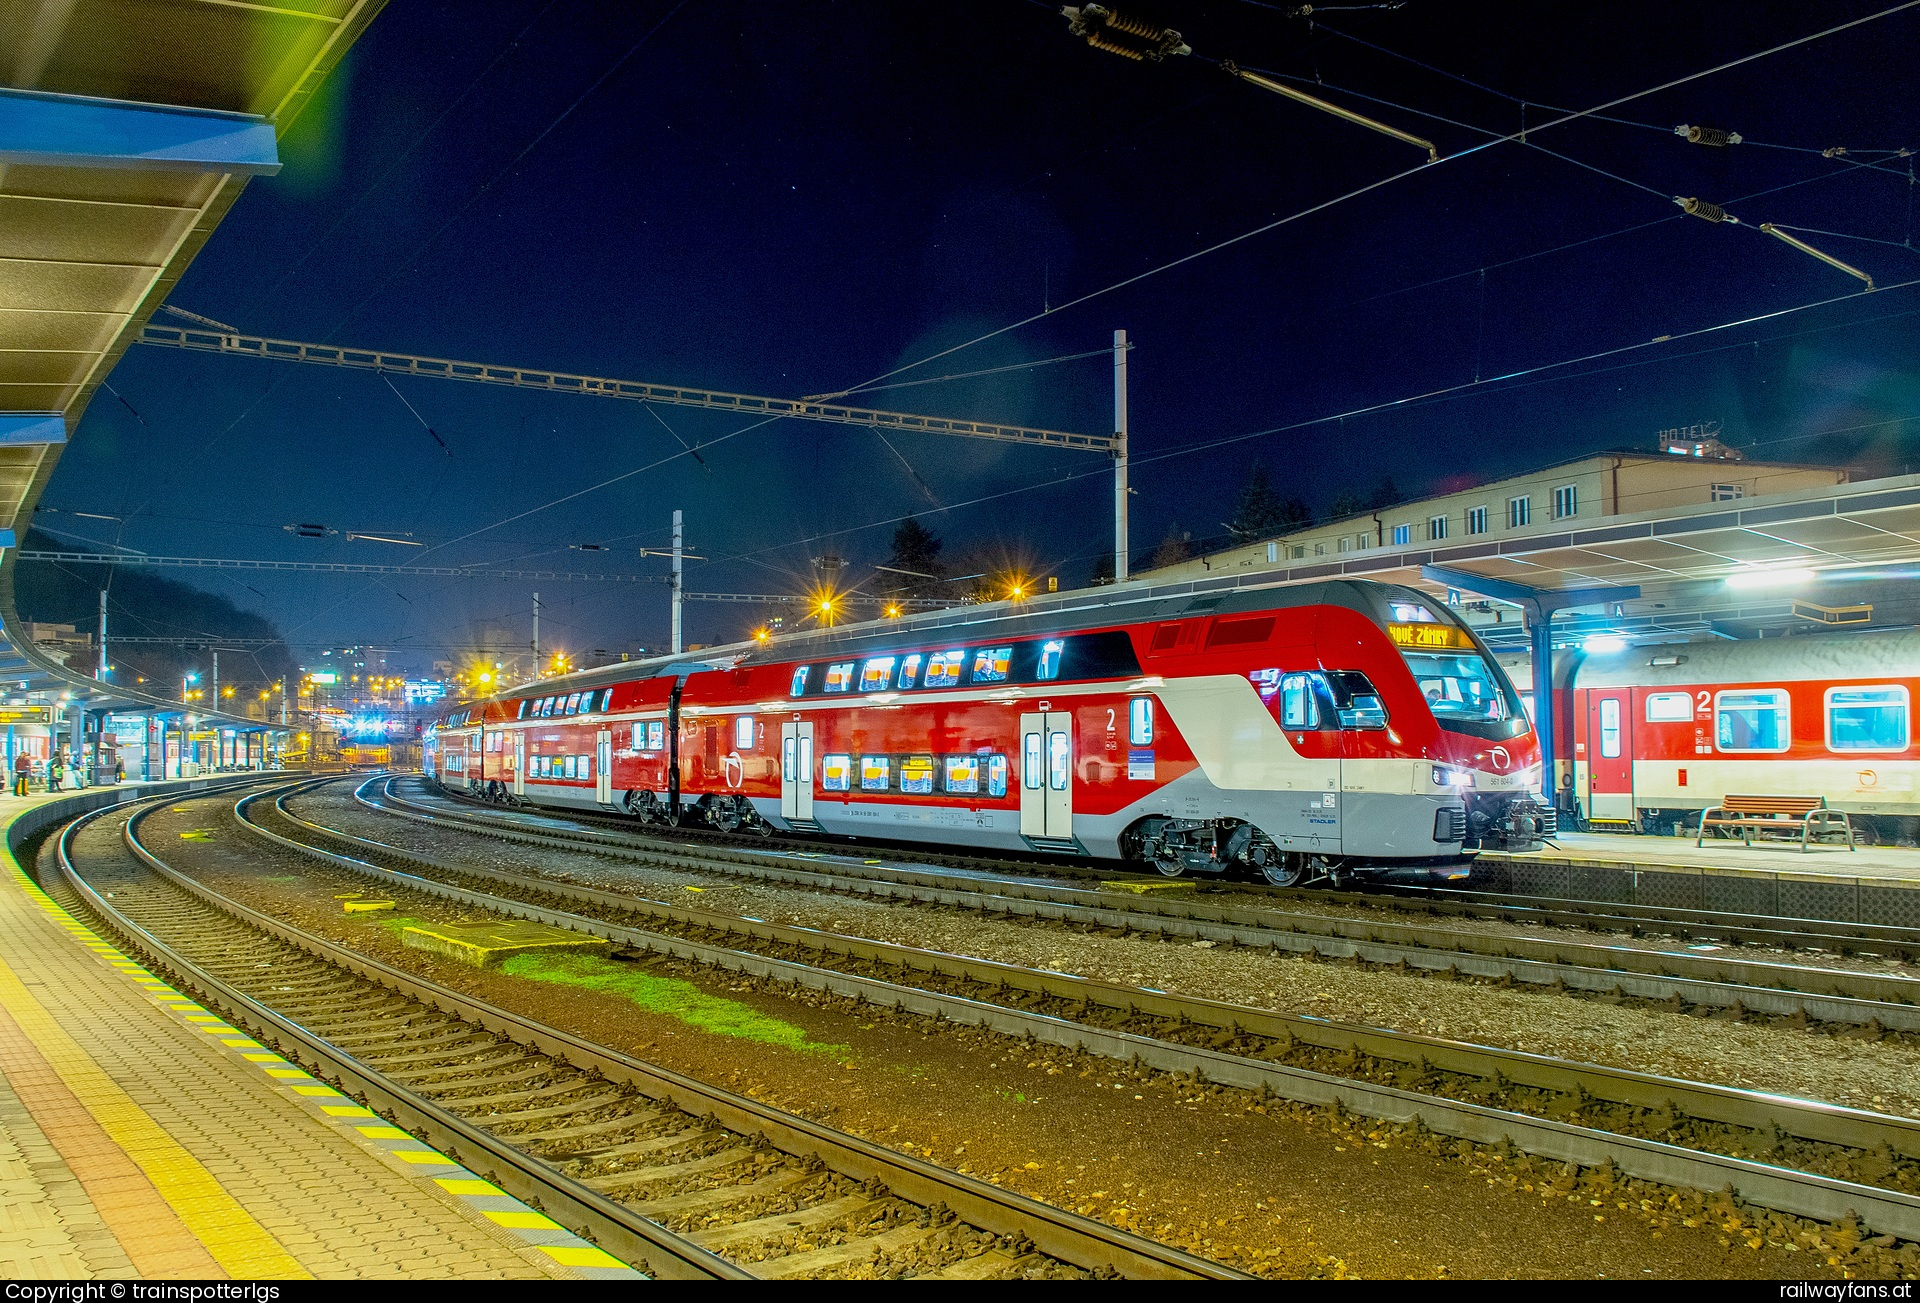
[(1610, 754), (796, 771), (603, 767), (1046, 775), (519, 762)]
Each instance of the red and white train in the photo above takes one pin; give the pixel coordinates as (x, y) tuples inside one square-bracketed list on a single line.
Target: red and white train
[(1305, 731), (1663, 732)]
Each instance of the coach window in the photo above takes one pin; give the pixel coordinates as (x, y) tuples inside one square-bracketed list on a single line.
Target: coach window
[(836, 773), (568, 766), (876, 674), (640, 737), (916, 775), (799, 680), (1669, 707), (743, 733), (1867, 719), (909, 671), (943, 668), (1751, 721), (1140, 722), (522, 714), (656, 734), (1059, 760), (996, 775), (963, 773), (876, 773), (839, 677), (1610, 728), (586, 767), (1030, 762), (990, 664), (606, 700), (1049, 665)]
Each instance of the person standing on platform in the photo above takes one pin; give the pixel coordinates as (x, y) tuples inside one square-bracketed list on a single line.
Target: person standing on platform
[(56, 771), (119, 770), (22, 772)]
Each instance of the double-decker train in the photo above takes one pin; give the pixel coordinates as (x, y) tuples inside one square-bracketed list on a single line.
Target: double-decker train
[(1661, 733), (1299, 732)]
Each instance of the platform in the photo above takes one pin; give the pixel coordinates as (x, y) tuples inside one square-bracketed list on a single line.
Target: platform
[(1877, 885), (143, 1137)]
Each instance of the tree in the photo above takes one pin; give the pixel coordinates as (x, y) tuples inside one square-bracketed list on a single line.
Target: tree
[(1260, 514), (1385, 494), (1102, 572), (1346, 503), (916, 549), (1174, 548)]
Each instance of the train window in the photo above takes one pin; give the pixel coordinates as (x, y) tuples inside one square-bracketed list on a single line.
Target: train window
[(1048, 666), (1459, 686), (1610, 728), (836, 773), (1867, 719), (1411, 613), (573, 702), (606, 700), (943, 669), (586, 767), (522, 713), (799, 680), (743, 733), (568, 765), (909, 670), (1059, 760), (1030, 762), (640, 737), (1166, 637), (1140, 722), (916, 775), (1299, 703), (787, 771), (1754, 720), (547, 705), (990, 664), (996, 775), (876, 674), (963, 773), (876, 773), (839, 677), (1669, 707)]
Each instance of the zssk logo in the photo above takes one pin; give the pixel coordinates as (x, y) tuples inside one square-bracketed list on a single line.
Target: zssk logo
[(1500, 759)]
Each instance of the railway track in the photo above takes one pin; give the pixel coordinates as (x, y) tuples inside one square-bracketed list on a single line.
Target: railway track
[(1759, 930), (1887, 1001), (660, 1169), (1793, 1155)]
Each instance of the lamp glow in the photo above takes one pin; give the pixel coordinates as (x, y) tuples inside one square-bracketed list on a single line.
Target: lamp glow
[(1770, 578), (1600, 644)]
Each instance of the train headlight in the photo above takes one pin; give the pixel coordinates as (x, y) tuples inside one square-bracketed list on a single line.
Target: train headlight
[(1447, 777)]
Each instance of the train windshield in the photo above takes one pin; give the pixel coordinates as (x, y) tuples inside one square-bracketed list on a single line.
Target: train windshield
[(1464, 692)]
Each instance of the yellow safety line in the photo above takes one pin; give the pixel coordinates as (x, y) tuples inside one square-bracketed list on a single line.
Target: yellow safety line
[(242, 1247)]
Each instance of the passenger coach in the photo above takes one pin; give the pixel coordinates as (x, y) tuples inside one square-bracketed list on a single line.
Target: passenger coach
[(1301, 731)]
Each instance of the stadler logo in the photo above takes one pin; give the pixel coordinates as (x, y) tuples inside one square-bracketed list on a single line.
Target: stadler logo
[(1501, 760)]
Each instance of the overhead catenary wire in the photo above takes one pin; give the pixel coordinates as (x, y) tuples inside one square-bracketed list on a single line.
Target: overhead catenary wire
[(1382, 182)]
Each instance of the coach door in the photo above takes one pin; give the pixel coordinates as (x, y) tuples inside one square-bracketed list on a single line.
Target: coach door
[(603, 767), (1609, 753), (519, 763), (1046, 775), (796, 771)]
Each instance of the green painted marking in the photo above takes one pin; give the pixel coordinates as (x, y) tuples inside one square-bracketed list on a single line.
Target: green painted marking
[(671, 996)]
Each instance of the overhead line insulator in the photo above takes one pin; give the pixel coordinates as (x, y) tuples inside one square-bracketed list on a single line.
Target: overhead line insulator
[(1705, 211), (1718, 137), (1102, 27)]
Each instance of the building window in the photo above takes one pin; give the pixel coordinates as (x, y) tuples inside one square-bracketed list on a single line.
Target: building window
[(1519, 512), (1566, 501), (1402, 535), (1319, 549), (1477, 520), (1726, 492), (1362, 541), (1298, 551), (1436, 528), (1273, 553), (1346, 544)]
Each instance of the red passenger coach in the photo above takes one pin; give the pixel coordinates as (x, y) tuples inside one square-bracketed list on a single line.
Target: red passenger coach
[(1299, 731), (1663, 732)]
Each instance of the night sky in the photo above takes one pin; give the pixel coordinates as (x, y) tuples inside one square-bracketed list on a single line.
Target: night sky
[(789, 199)]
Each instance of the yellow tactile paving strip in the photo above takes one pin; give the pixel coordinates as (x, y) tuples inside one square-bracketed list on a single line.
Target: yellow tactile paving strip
[(216, 1173)]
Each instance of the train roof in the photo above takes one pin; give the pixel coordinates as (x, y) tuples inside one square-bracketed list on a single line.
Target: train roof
[(1046, 613), (1886, 653)]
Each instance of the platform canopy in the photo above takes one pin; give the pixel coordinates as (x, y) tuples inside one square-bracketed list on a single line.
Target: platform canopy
[(127, 130)]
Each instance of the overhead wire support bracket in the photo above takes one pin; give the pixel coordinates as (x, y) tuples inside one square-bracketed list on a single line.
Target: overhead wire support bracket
[(1325, 106), (1806, 248), (367, 359)]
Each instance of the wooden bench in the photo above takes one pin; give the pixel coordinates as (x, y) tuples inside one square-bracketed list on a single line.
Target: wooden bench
[(1806, 815)]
